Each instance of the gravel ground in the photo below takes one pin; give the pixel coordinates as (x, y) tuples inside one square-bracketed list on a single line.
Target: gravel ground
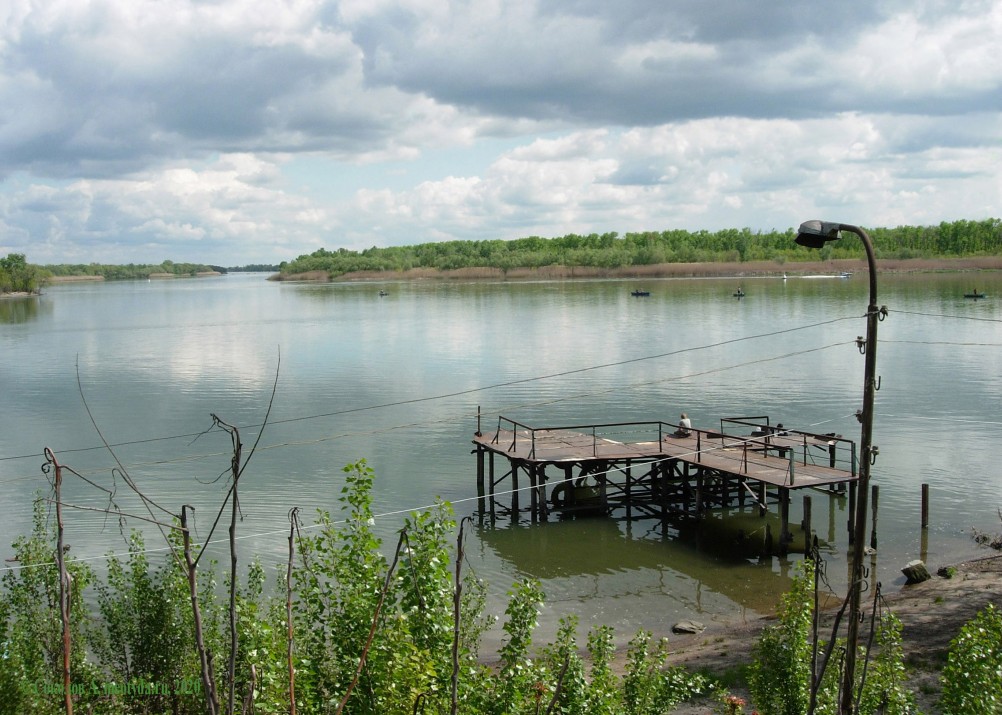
[(931, 613)]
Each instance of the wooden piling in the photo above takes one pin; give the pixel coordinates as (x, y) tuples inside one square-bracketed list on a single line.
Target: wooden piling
[(852, 513), (806, 524), (875, 491), (481, 505), (784, 519), (533, 495), (514, 492), (925, 506)]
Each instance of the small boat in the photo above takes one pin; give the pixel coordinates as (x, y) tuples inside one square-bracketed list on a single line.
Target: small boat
[(975, 295), (739, 293), (640, 293), (845, 274), (382, 293)]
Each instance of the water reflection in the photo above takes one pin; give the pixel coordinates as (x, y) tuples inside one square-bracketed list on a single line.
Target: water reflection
[(15, 311), (787, 349), (689, 559)]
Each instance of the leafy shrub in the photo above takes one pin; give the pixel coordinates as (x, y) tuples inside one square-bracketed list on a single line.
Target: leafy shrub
[(780, 673), (972, 678)]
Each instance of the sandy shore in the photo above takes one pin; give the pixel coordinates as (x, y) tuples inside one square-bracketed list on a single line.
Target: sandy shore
[(931, 613)]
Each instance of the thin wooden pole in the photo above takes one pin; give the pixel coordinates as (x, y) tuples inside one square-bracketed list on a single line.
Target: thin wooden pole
[(64, 578), (205, 660), (925, 506), (290, 641)]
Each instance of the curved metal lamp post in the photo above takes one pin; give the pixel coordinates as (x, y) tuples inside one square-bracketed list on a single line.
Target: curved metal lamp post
[(815, 234)]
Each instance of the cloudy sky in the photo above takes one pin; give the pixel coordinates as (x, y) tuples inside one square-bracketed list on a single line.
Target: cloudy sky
[(245, 131)]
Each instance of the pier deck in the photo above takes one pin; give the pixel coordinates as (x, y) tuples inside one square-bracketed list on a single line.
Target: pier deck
[(647, 469)]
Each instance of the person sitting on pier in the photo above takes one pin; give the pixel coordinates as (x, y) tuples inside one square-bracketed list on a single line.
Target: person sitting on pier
[(684, 427)]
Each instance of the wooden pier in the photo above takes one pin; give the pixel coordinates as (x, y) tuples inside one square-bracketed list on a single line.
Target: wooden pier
[(647, 470)]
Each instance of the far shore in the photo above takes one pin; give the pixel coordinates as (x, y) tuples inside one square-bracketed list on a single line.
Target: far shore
[(662, 270)]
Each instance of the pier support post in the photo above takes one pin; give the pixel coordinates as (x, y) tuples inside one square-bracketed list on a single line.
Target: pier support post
[(925, 506), (784, 518), (544, 508), (628, 475), (852, 511), (514, 492), (480, 480), (806, 524), (700, 485), (873, 529), (533, 496)]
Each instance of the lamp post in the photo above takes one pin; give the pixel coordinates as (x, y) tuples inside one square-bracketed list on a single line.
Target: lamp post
[(814, 234)]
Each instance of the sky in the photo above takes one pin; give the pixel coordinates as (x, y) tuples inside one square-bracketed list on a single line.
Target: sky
[(232, 132)]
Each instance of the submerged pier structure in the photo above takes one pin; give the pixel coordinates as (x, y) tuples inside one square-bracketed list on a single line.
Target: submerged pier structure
[(651, 470)]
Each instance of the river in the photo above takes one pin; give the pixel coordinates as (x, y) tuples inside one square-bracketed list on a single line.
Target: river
[(398, 379)]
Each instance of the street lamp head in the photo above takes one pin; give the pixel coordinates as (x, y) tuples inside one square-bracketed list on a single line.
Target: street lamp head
[(815, 234)]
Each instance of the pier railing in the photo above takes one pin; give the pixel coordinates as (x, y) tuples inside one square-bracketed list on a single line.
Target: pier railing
[(624, 432), (754, 436), (808, 447)]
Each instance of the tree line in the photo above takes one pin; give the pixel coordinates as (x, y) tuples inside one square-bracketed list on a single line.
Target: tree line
[(607, 250), (19, 276), (610, 250), (130, 271)]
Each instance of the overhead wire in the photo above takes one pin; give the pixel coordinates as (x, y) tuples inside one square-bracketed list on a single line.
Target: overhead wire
[(945, 315), (191, 435), (459, 393), (471, 391), (425, 423), (376, 517)]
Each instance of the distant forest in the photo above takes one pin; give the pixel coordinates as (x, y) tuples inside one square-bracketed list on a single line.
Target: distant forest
[(610, 250), (132, 271), (129, 271), (957, 239)]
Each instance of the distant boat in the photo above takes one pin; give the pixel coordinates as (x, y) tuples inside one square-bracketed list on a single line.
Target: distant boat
[(845, 274), (382, 293), (975, 295), (640, 293), (739, 293)]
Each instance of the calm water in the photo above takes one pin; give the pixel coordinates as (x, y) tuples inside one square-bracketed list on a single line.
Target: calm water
[(398, 380)]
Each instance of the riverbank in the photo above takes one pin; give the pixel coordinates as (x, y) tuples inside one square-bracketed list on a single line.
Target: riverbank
[(932, 614), (662, 270)]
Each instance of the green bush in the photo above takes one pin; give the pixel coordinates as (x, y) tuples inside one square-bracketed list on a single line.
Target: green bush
[(972, 678), (780, 673)]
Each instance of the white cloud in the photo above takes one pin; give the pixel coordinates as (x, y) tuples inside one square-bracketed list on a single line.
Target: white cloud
[(137, 130)]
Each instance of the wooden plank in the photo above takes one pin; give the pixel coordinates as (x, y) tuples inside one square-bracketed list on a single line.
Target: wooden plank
[(737, 456)]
